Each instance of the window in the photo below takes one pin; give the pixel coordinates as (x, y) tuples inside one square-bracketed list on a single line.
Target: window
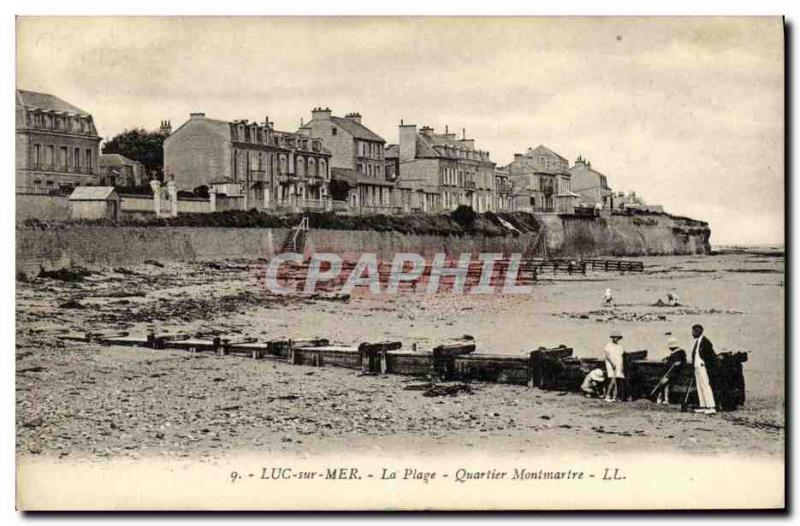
[(48, 159), (62, 158), (36, 155), (89, 165), (76, 159), (333, 130)]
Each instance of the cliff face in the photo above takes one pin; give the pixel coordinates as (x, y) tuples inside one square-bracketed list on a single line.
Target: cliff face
[(624, 235)]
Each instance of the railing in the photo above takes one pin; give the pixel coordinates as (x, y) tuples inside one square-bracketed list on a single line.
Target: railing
[(340, 206), (470, 185), (312, 204), (379, 209)]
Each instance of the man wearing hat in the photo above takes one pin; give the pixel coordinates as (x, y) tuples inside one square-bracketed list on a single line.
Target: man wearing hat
[(675, 361), (614, 368)]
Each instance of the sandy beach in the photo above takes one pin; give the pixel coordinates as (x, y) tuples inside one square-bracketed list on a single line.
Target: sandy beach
[(79, 400)]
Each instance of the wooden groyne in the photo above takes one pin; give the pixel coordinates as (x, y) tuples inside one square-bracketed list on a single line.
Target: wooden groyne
[(554, 368), (528, 271)]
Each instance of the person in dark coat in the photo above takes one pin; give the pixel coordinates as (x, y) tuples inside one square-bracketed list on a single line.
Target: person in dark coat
[(674, 363), (704, 360)]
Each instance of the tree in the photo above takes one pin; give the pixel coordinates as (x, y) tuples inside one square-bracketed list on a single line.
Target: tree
[(140, 145)]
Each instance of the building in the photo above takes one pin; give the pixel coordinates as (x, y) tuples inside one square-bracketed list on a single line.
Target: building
[(443, 171), (357, 160), (268, 168), (392, 157), (504, 193), (56, 144), (631, 201), (117, 170), (541, 181), (590, 185), (94, 202)]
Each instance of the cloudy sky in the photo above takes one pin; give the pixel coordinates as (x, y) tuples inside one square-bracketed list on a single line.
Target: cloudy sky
[(687, 112)]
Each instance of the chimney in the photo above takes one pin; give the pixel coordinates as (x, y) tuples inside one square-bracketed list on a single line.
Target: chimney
[(426, 130), (196, 116), (355, 117), (408, 142), (321, 113), (166, 128)]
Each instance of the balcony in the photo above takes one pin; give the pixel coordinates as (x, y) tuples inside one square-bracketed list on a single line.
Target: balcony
[(314, 180), (470, 185), (504, 187), (287, 178)]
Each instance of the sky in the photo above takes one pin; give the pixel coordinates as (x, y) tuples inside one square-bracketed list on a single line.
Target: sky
[(687, 112)]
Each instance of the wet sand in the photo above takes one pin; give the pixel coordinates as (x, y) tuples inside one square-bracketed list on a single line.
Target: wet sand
[(77, 400)]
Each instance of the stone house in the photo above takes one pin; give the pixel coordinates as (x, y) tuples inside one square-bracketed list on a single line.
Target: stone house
[(443, 171), (504, 193), (541, 182), (590, 185), (270, 169), (56, 144), (117, 170), (357, 160)]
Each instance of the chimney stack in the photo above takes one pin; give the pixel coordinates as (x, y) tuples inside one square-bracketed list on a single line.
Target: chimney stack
[(355, 117), (408, 142), (321, 113), (197, 115), (166, 127)]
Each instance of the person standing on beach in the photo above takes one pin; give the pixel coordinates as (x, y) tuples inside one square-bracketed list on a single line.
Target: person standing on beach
[(614, 368), (608, 299), (704, 360)]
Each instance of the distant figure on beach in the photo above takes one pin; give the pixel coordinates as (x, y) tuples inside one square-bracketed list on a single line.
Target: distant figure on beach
[(704, 360), (672, 299), (675, 361), (593, 383), (608, 299), (614, 368)]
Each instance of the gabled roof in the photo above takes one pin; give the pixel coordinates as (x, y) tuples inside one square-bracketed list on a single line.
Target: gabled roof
[(45, 101), (545, 150), (115, 159), (359, 131), (93, 193), (217, 124), (392, 151)]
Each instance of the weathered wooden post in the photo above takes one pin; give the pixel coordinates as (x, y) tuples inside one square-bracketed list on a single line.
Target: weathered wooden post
[(218, 346), (443, 362)]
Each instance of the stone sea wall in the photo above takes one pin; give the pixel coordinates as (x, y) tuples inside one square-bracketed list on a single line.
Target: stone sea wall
[(96, 246)]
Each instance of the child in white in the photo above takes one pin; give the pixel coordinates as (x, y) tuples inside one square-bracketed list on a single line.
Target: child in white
[(614, 367)]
